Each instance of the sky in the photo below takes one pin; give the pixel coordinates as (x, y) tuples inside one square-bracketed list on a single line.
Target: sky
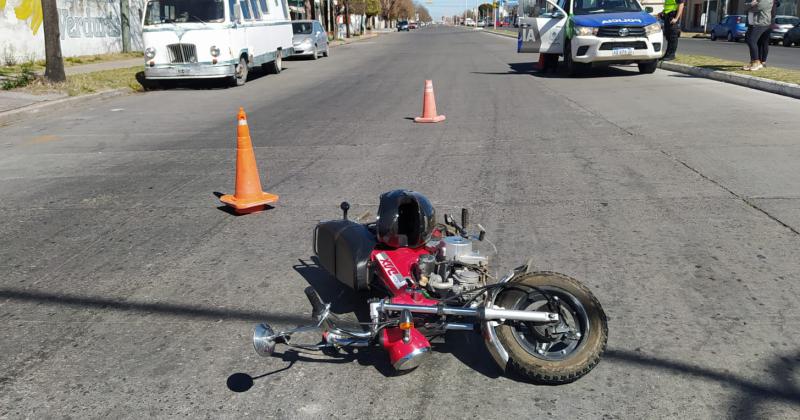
[(439, 8)]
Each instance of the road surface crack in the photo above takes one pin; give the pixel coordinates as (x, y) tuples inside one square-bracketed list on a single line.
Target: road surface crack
[(731, 192)]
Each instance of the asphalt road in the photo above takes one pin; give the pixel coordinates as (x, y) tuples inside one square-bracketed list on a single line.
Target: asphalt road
[(127, 293), (779, 56)]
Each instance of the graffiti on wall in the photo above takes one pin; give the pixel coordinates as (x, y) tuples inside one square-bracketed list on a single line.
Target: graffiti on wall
[(84, 25), (29, 11)]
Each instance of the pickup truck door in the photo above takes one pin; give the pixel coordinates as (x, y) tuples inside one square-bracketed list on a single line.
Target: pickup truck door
[(544, 31)]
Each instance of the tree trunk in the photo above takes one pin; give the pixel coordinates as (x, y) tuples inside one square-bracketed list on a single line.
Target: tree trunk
[(347, 17), (124, 13), (54, 67)]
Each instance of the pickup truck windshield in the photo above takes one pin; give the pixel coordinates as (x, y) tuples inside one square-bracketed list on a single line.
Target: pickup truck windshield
[(589, 7), (183, 11)]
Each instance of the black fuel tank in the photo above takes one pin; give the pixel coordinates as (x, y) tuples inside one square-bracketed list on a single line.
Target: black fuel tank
[(343, 248)]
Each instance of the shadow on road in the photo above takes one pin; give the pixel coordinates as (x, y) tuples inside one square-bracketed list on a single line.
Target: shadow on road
[(530, 68), (255, 73), (749, 394), (170, 309)]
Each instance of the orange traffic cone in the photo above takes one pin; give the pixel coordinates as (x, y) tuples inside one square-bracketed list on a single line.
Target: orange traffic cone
[(429, 106), (248, 197)]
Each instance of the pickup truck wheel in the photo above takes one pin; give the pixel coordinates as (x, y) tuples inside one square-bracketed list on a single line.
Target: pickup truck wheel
[(573, 68), (647, 67)]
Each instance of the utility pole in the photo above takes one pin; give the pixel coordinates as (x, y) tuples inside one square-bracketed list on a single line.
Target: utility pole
[(54, 66), (124, 12)]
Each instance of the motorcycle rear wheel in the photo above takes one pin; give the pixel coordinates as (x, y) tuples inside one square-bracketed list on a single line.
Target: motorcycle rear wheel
[(542, 356)]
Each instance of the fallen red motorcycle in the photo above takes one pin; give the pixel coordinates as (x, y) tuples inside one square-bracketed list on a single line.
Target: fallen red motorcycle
[(543, 326)]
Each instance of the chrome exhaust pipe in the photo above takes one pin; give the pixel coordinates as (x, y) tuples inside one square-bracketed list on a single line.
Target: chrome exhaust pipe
[(484, 314)]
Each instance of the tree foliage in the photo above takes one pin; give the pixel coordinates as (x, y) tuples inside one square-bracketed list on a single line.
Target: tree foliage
[(485, 9), (404, 9), (365, 7), (423, 13)]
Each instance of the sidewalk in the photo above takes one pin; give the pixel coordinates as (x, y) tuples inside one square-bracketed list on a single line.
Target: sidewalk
[(11, 100)]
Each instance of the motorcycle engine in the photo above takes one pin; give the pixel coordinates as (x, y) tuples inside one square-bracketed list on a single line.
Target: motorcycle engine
[(455, 269)]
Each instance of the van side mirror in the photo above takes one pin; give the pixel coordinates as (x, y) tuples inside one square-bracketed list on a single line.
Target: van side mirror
[(237, 12), (648, 9)]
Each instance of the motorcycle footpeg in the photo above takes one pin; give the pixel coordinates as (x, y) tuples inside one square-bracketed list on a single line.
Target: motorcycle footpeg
[(316, 302)]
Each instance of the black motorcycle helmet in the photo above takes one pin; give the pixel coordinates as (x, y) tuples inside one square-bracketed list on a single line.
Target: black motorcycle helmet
[(405, 218)]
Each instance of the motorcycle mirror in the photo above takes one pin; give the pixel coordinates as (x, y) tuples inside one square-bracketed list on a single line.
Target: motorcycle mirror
[(344, 206), (482, 233), (263, 341), (447, 219), (464, 218)]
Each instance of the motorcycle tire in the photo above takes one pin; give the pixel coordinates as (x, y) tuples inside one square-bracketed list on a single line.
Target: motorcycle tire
[(564, 360)]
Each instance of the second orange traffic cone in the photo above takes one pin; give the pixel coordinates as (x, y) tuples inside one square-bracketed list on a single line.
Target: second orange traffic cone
[(429, 106), (248, 196)]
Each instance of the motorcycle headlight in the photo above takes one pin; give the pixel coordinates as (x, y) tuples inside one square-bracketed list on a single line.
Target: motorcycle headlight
[(652, 29), (585, 30), (150, 52), (214, 51)]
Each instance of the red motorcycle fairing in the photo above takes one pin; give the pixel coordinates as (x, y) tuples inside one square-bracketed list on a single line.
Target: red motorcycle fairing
[(405, 355), (395, 272), (394, 269)]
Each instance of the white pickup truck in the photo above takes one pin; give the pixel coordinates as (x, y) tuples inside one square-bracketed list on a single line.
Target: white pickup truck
[(591, 32)]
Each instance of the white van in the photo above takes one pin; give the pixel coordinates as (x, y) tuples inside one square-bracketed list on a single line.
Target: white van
[(203, 39)]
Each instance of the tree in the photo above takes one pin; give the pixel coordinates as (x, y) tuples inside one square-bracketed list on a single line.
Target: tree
[(388, 10), (422, 13), (404, 9), (368, 8), (485, 9), (54, 66)]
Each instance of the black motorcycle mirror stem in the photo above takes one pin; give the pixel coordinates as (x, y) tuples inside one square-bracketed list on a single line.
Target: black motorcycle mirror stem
[(345, 206)]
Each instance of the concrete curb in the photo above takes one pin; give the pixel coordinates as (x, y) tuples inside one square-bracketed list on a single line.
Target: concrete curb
[(772, 86), (337, 43), (14, 115), (491, 31)]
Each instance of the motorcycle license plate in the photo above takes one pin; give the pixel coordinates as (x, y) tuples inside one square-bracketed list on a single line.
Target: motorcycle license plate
[(622, 51)]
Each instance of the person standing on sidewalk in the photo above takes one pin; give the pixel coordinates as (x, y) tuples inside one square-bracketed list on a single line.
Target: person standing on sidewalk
[(759, 18), (672, 14)]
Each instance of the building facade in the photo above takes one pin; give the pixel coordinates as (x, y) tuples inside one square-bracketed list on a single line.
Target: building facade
[(702, 15), (87, 27)]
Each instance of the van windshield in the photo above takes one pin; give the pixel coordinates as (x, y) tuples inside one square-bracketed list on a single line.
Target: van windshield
[(589, 7), (184, 11)]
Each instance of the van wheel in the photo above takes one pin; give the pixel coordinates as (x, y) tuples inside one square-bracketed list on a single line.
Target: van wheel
[(240, 74), (713, 36), (277, 64)]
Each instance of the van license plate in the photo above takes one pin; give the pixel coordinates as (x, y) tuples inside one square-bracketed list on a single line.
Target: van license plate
[(622, 51)]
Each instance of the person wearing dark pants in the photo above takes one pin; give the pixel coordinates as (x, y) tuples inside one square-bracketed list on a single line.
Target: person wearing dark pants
[(672, 14), (759, 17)]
